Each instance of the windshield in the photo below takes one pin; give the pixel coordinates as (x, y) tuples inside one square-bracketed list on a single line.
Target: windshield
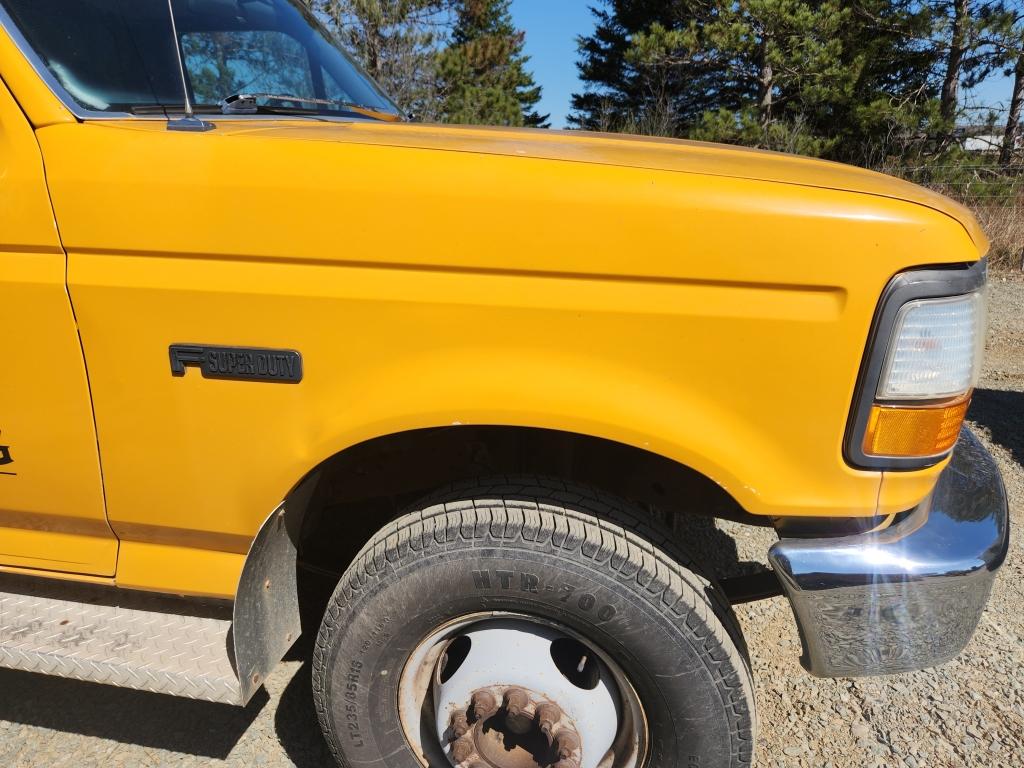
[(120, 56)]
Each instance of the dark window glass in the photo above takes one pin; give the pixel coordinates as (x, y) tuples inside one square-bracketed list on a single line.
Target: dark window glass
[(110, 55), (120, 55), (223, 63)]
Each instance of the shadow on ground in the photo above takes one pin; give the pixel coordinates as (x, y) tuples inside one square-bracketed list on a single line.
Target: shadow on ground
[(295, 720), (712, 548), (1002, 413), (156, 721), (296, 723), (149, 720)]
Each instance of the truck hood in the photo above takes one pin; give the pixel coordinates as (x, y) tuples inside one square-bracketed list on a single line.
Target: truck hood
[(656, 154)]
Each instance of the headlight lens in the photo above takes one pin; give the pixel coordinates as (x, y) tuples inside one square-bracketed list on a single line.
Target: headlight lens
[(936, 348)]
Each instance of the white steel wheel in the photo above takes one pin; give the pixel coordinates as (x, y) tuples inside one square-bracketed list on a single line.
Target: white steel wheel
[(510, 691)]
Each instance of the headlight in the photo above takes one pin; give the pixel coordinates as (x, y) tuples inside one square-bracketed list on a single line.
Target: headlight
[(935, 350), (921, 366)]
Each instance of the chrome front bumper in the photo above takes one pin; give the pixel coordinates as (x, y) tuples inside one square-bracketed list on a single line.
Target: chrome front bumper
[(909, 596)]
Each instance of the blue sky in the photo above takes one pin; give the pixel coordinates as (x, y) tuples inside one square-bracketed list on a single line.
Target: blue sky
[(552, 27)]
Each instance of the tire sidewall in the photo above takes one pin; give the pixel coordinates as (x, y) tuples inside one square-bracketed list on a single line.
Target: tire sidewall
[(374, 627)]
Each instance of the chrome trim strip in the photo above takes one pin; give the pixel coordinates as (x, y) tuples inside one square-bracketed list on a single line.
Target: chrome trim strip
[(909, 596)]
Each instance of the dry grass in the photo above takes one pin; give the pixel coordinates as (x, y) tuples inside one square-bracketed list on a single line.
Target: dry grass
[(1003, 222)]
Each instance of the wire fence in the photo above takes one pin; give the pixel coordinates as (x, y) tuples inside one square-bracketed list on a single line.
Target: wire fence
[(969, 183)]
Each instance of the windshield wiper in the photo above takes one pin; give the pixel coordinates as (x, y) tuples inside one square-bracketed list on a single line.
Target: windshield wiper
[(245, 104)]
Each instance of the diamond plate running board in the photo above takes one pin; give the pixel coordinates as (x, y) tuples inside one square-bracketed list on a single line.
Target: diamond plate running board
[(127, 639)]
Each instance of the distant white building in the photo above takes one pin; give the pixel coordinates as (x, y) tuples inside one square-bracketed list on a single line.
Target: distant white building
[(984, 138)]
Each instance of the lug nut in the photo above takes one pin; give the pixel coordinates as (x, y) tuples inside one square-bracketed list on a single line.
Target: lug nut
[(516, 700), (517, 720), (484, 705), (462, 749), (459, 724), (548, 715), (567, 742)]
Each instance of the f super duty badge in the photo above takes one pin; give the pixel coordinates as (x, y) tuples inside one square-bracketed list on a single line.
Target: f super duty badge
[(241, 363)]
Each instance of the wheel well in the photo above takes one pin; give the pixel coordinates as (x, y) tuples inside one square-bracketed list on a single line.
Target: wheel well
[(360, 489)]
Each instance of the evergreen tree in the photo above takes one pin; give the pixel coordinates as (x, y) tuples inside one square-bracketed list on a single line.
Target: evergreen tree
[(960, 24), (482, 76), (1006, 24), (828, 77), (786, 56), (665, 82), (1013, 134), (891, 108), (970, 36), (396, 42)]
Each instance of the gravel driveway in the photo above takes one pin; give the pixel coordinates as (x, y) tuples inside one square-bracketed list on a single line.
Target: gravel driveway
[(967, 712)]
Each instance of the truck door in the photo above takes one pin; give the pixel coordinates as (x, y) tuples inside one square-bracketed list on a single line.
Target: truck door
[(52, 514)]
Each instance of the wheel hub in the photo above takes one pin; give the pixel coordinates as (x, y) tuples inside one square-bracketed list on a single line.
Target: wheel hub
[(506, 690), (516, 694), (524, 730)]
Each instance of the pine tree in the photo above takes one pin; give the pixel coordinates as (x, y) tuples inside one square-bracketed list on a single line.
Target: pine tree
[(482, 76), (664, 82), (762, 72), (891, 107), (828, 77), (396, 42), (971, 37), (1008, 31), (786, 59), (959, 39), (1013, 133)]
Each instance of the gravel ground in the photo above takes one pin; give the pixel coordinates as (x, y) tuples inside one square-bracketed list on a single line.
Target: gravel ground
[(967, 712)]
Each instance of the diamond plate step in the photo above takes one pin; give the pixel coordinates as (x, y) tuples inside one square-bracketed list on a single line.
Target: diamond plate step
[(111, 636)]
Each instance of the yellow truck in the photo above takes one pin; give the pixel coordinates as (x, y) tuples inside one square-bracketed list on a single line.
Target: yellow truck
[(258, 325)]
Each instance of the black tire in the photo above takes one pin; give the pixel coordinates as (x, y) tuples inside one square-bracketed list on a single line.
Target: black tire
[(594, 563)]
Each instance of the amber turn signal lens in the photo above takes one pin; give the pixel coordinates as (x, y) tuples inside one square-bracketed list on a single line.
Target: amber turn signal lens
[(899, 430)]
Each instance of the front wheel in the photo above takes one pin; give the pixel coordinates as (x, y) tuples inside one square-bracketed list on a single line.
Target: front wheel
[(528, 622)]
